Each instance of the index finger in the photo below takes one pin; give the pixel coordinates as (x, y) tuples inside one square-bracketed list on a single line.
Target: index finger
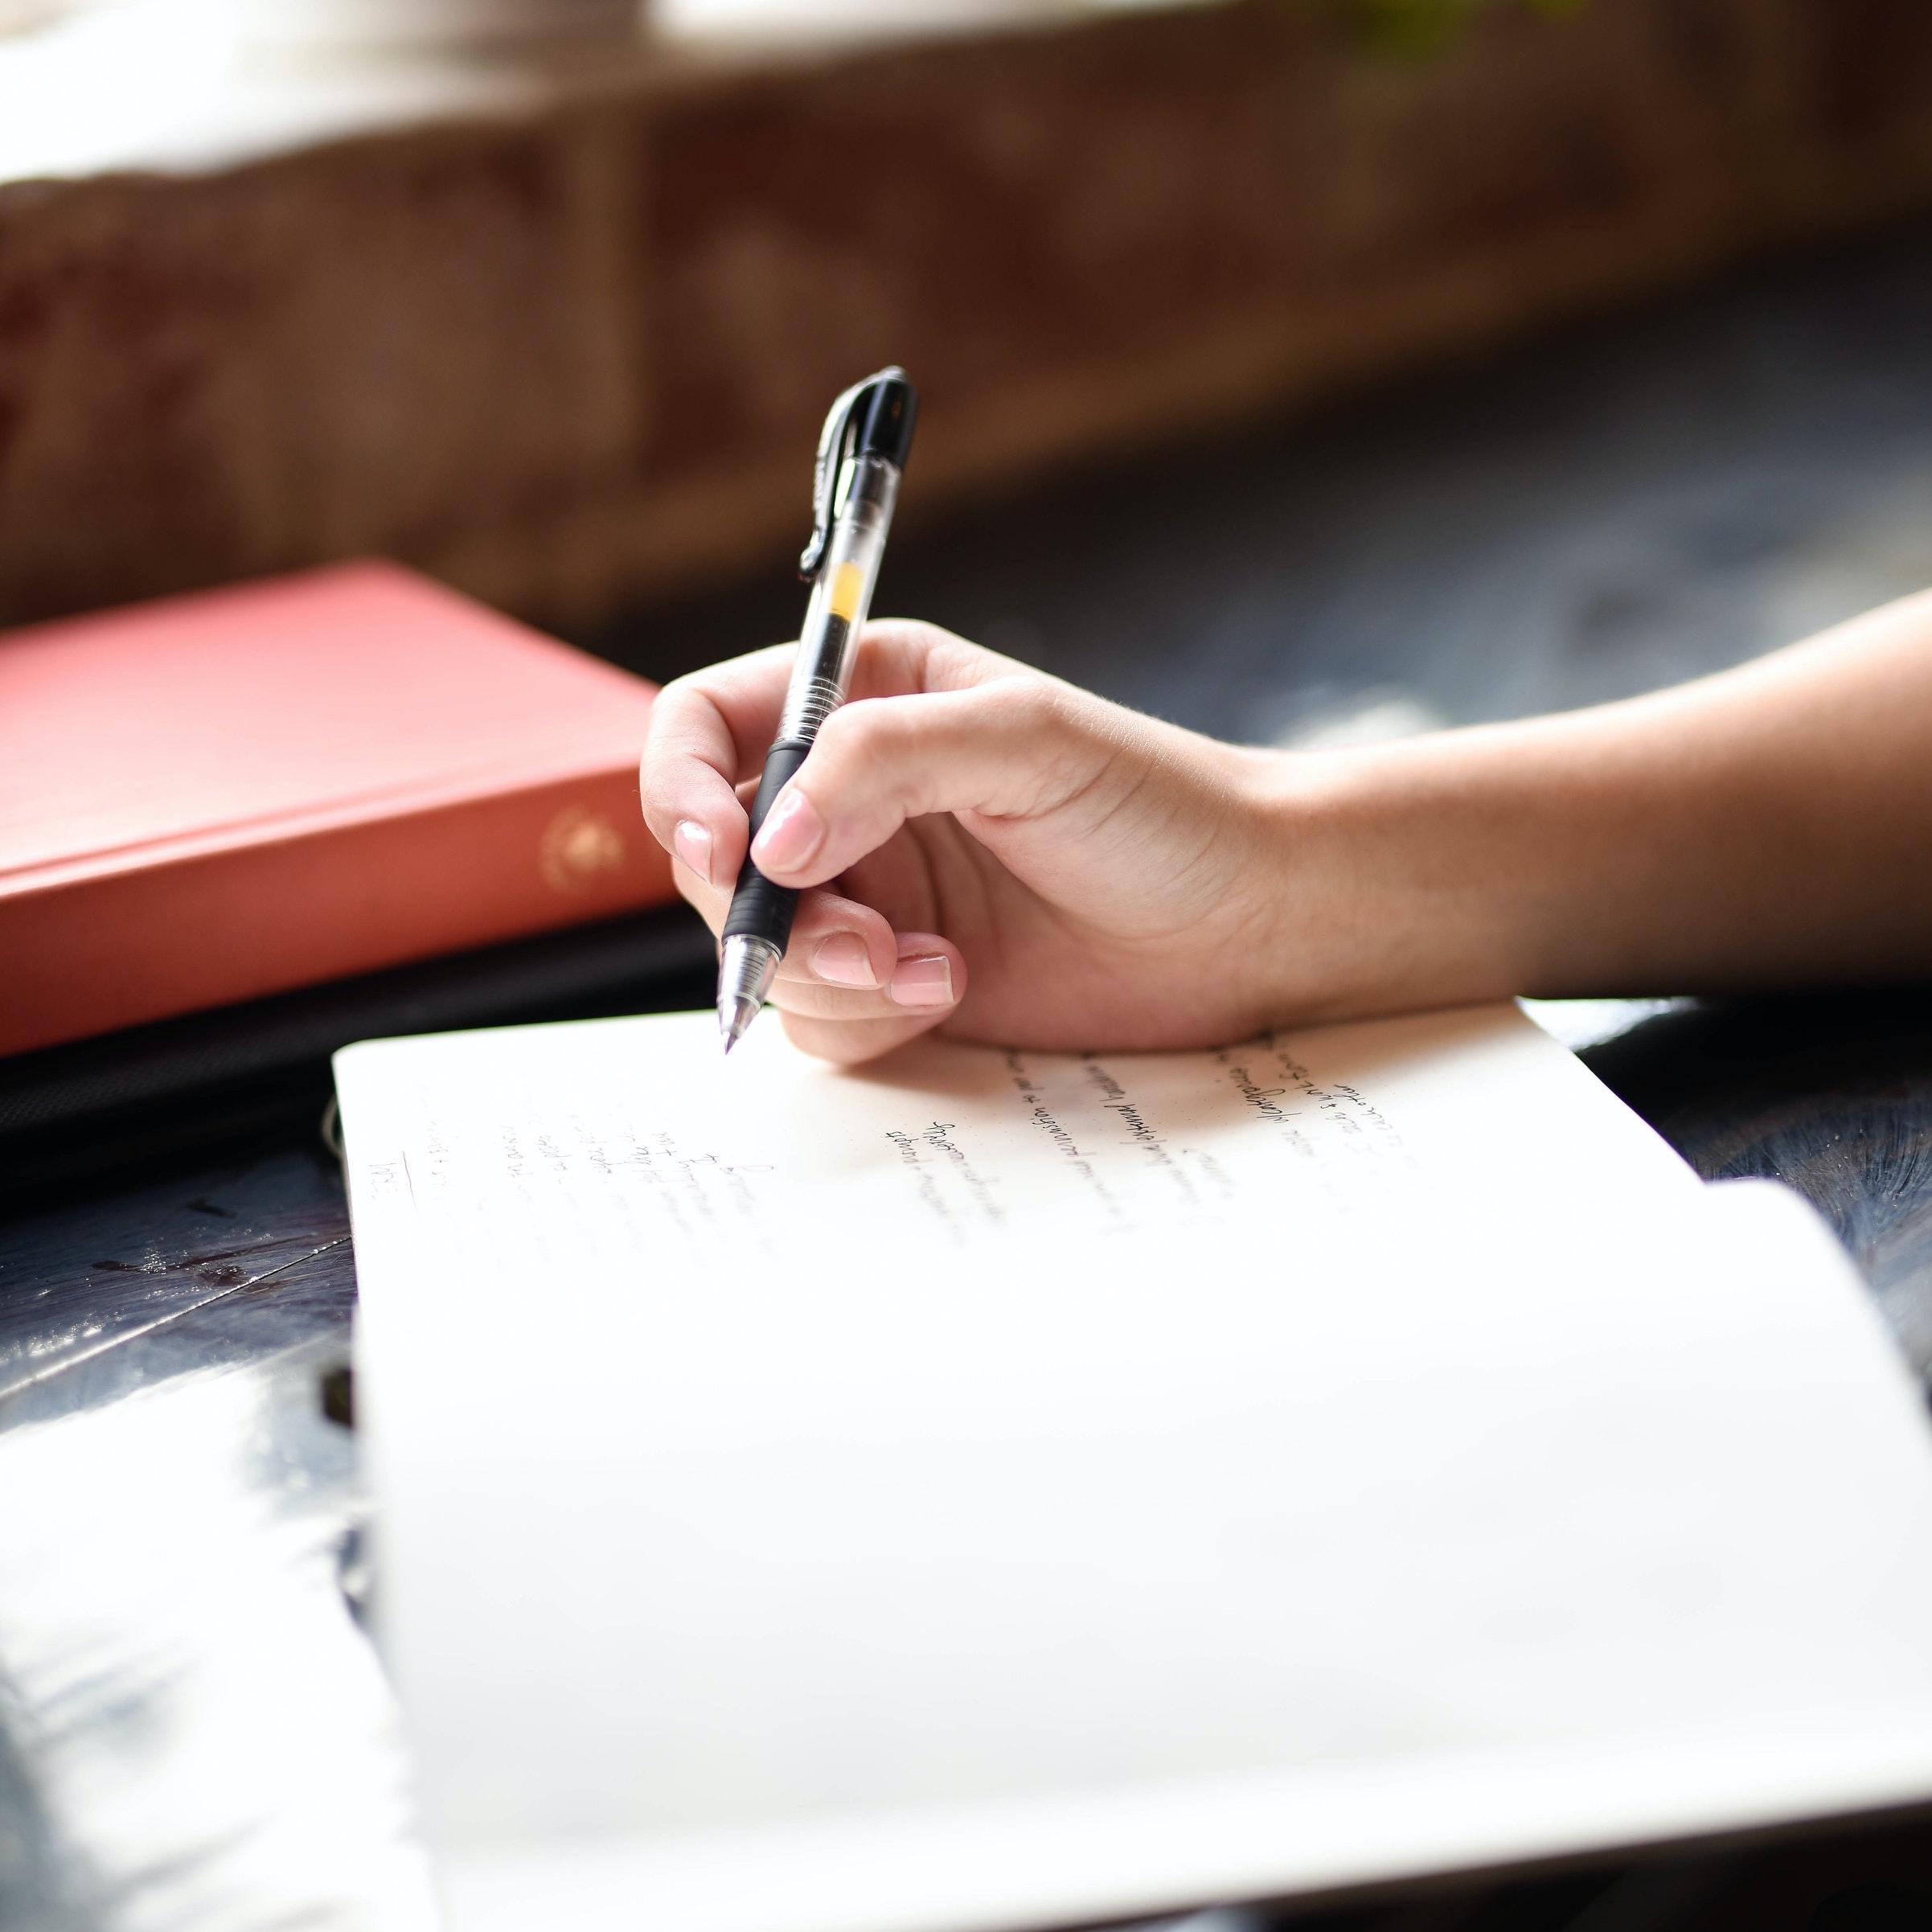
[(708, 732)]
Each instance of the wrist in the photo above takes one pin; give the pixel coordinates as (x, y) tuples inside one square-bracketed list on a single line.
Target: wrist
[(1398, 879)]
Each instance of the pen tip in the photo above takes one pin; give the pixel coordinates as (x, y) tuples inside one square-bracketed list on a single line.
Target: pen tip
[(735, 1015)]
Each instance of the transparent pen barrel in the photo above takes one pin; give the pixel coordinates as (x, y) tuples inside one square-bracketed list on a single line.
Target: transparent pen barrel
[(842, 596)]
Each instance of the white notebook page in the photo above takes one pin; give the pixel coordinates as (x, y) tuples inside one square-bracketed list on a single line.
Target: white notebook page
[(997, 1489)]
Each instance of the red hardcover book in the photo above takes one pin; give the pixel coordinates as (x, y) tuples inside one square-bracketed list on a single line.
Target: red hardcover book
[(212, 798)]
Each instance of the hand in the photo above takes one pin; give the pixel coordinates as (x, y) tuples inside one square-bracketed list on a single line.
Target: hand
[(1003, 856), (991, 852)]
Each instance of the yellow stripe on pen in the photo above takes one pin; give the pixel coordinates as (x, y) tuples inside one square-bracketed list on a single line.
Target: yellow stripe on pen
[(848, 580)]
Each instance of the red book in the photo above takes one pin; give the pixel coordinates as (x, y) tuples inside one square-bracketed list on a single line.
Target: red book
[(216, 796)]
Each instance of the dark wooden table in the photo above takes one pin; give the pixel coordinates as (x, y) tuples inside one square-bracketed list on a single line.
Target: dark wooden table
[(194, 1730)]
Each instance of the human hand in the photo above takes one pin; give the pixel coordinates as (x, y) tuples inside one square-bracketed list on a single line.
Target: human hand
[(1110, 881), (986, 850)]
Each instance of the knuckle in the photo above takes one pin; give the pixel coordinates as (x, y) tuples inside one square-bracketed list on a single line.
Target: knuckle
[(956, 663), (657, 784), (1025, 709), (861, 736), (904, 633), (675, 703), (1029, 703)]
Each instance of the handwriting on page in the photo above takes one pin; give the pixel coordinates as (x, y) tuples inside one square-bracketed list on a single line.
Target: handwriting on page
[(1135, 1144), (963, 1145)]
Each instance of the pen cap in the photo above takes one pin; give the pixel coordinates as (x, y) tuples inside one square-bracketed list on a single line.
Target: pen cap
[(885, 429)]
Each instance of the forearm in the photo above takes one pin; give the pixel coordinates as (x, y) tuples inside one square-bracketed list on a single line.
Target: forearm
[(1769, 827)]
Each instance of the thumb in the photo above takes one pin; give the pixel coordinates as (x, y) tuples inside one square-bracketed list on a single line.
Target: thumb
[(1014, 747)]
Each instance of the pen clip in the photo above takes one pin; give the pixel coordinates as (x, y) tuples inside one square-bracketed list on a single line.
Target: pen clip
[(835, 445)]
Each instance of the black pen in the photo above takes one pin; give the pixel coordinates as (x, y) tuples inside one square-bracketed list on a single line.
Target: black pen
[(862, 452)]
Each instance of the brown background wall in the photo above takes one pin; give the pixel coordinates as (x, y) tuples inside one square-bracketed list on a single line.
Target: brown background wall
[(574, 361)]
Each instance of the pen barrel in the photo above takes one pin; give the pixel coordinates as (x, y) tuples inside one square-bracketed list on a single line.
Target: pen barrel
[(842, 596), (758, 909), (841, 599)]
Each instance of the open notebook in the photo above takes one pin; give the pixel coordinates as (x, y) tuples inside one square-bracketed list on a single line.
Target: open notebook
[(995, 1490)]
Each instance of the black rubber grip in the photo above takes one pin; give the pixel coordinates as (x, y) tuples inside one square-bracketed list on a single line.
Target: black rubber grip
[(758, 909)]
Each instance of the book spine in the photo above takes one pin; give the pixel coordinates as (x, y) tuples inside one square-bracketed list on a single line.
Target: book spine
[(120, 948)]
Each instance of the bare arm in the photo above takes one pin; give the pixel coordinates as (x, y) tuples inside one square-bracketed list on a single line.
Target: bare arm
[(1768, 827)]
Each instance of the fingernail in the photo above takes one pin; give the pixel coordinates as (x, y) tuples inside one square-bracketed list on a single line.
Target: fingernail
[(923, 982), (791, 834), (692, 843), (843, 959)]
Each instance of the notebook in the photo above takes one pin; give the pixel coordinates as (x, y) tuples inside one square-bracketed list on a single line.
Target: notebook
[(991, 1490), (209, 798)]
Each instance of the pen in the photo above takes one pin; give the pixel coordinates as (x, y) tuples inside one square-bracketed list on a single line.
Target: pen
[(862, 452)]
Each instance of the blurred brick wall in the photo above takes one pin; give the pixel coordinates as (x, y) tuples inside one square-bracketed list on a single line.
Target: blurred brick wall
[(570, 362)]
